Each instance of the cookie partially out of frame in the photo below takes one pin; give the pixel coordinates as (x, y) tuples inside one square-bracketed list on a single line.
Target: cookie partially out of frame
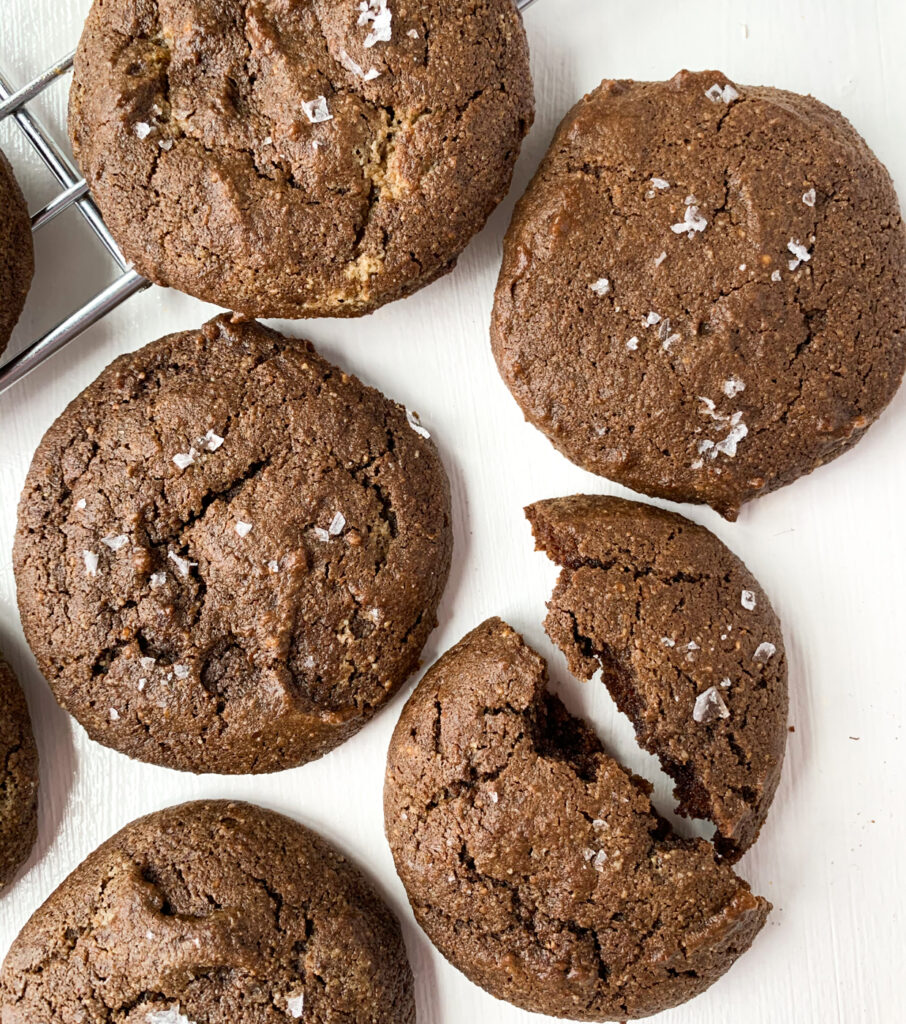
[(688, 646), (315, 158), (703, 292), (18, 777), (535, 862), (211, 912), (230, 552), (17, 254)]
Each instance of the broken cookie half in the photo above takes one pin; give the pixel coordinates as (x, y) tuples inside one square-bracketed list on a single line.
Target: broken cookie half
[(688, 646), (535, 862)]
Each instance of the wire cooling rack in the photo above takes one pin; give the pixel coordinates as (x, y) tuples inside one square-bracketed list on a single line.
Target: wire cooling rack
[(75, 193)]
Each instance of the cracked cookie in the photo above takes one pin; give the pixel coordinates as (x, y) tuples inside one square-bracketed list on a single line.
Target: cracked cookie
[(214, 912), (535, 862), (688, 646), (17, 254), (18, 777), (703, 292), (319, 158), (230, 552)]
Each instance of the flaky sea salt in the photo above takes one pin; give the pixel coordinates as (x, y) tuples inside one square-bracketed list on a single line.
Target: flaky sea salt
[(660, 259), (356, 68), (377, 14), (722, 94), (273, 566), (91, 562), (709, 706), (171, 1015), (211, 441), (322, 534), (158, 579), (729, 445), (632, 344), (185, 459), (733, 386), (115, 543), (416, 424), (166, 144), (114, 715), (243, 529), (81, 504), (601, 287), (726, 683), (147, 663), (660, 183), (296, 1005), (142, 129), (764, 652), (337, 524), (692, 221), (668, 641), (810, 197), (776, 276), (600, 859), (748, 600), (316, 110), (182, 564), (652, 319), (181, 671), (413, 33), (799, 251)]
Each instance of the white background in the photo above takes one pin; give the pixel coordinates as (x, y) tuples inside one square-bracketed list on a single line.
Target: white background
[(829, 549)]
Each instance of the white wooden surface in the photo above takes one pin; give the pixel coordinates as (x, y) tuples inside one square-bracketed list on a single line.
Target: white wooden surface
[(830, 550)]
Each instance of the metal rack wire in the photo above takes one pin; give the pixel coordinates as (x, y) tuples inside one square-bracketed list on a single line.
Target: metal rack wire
[(75, 193)]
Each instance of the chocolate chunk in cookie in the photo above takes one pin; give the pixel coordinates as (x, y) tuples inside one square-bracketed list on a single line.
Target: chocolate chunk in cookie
[(535, 862), (688, 646), (212, 912), (703, 293), (315, 158), (230, 552), (17, 254), (18, 777)]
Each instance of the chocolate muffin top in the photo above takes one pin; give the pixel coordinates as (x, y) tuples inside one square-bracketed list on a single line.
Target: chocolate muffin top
[(318, 158), (18, 777), (703, 293), (230, 553), (535, 862), (689, 648), (212, 912), (17, 254)]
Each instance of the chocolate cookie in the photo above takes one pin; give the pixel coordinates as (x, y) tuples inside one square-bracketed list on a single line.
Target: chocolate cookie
[(688, 644), (17, 254), (230, 553), (18, 777), (703, 292), (535, 862), (214, 912), (319, 158)]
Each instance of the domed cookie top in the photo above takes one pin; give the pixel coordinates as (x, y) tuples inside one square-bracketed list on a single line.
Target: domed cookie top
[(230, 553), (535, 862), (703, 293), (689, 645), (213, 912), (17, 255), (318, 158), (18, 777)]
